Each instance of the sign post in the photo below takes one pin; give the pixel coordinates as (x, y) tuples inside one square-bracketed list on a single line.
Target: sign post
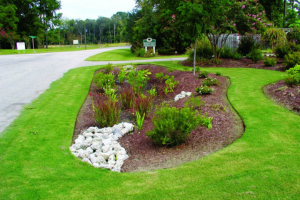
[(149, 42), (75, 42), (32, 37), (21, 46)]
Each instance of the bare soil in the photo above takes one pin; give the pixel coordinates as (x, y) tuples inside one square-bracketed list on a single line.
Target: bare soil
[(289, 97), (143, 154)]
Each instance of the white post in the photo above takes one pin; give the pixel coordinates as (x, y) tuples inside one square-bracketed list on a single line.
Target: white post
[(145, 49), (154, 50)]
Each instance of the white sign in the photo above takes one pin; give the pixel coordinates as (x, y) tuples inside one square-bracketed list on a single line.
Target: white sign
[(75, 41), (21, 45)]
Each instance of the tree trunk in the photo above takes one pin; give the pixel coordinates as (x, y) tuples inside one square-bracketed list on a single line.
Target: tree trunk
[(194, 63)]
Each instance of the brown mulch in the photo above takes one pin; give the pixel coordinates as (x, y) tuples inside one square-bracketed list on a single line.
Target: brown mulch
[(143, 154), (289, 97), (232, 63)]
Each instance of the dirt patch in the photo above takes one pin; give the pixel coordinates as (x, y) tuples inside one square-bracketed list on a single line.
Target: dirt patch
[(289, 97), (143, 154), (242, 63)]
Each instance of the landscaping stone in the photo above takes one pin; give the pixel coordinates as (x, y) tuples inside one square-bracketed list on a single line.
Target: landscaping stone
[(99, 147), (182, 95)]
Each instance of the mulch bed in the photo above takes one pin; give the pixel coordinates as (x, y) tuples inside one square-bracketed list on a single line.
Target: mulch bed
[(289, 97), (143, 154), (232, 63)]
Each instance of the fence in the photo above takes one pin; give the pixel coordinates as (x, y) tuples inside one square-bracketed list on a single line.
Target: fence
[(233, 40)]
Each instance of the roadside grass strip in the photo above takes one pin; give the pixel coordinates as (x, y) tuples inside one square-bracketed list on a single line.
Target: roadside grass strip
[(35, 161), (125, 54)]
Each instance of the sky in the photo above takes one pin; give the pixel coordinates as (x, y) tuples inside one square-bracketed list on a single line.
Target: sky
[(92, 9)]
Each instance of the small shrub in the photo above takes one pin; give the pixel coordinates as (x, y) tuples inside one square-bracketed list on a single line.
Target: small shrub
[(171, 84), (194, 102), (111, 93), (152, 92), (106, 113), (103, 81), (149, 53), (138, 79), (270, 61), (143, 104), (291, 60), (160, 76), (203, 90), (246, 44), (281, 50), (172, 126), (294, 47), (218, 73), (170, 70), (122, 75), (255, 55), (274, 36), (108, 68), (127, 97), (203, 74), (237, 56), (293, 77), (140, 52), (203, 50), (210, 81), (197, 69), (227, 53)]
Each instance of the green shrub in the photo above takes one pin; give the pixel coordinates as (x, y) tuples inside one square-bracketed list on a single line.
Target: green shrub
[(293, 77), (294, 47), (143, 104), (108, 68), (203, 74), (197, 69), (103, 81), (227, 53), (139, 52), (270, 61), (218, 73), (172, 126), (166, 52), (210, 81), (138, 79), (246, 44), (255, 55), (237, 56), (294, 35), (281, 50), (203, 50), (194, 102), (106, 113), (149, 53), (291, 60), (171, 84), (274, 36), (203, 90)]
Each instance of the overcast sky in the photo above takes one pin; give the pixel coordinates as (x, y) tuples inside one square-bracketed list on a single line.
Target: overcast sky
[(92, 9)]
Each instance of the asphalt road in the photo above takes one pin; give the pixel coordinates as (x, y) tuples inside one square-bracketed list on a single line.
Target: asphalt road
[(24, 77)]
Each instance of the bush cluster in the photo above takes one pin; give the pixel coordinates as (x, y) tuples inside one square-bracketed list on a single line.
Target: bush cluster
[(107, 113), (103, 81), (255, 55), (281, 50), (246, 44), (293, 77), (203, 90), (203, 50), (292, 59), (210, 81), (270, 61), (172, 126), (203, 74)]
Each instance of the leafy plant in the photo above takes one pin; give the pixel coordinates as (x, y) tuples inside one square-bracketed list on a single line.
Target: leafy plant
[(138, 79), (293, 77), (204, 90), (160, 76), (237, 56), (171, 84), (143, 104), (152, 92), (203, 49), (246, 44), (227, 53), (274, 36), (106, 113), (127, 97), (294, 47), (170, 70), (108, 68), (203, 74), (149, 53), (139, 120), (197, 69), (292, 59), (282, 50), (270, 61), (194, 102), (255, 55), (111, 93), (103, 81), (218, 73), (210, 81), (172, 126), (122, 75)]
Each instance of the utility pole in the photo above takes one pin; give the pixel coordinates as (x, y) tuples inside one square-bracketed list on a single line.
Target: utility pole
[(85, 30)]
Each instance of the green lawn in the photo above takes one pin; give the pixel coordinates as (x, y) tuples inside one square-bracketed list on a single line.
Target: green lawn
[(124, 54), (264, 163), (57, 48)]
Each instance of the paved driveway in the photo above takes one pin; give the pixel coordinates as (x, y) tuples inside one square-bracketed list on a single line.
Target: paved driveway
[(24, 77)]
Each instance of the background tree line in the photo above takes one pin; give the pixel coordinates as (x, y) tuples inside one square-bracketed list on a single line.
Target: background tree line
[(174, 24)]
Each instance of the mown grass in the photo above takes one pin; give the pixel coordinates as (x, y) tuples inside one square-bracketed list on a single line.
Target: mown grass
[(124, 54), (264, 163), (63, 48)]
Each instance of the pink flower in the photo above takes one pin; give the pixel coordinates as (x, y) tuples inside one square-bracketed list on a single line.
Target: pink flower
[(90, 94), (258, 18), (253, 24), (234, 24), (173, 16), (270, 24), (243, 6), (263, 11), (260, 13), (165, 28)]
